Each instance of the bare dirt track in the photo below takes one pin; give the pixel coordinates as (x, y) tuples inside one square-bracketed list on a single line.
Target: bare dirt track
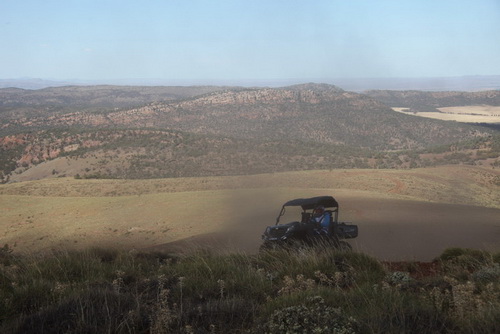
[(390, 229), (401, 214), (414, 230)]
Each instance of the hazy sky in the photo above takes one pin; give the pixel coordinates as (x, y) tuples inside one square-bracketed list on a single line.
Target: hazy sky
[(213, 41)]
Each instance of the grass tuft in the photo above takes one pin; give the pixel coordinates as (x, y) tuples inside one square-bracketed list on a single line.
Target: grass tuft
[(320, 290)]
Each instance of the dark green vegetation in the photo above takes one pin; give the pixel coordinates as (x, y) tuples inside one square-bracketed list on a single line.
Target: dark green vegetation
[(146, 153), (160, 153), (418, 101), (310, 113), (202, 131), (18, 103), (314, 290)]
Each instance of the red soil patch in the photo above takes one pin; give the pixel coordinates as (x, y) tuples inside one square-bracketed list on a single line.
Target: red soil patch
[(416, 269)]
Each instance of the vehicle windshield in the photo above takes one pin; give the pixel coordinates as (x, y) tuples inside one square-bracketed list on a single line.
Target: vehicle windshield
[(291, 214)]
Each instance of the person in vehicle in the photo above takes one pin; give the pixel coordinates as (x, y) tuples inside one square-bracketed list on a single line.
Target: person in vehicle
[(322, 217)]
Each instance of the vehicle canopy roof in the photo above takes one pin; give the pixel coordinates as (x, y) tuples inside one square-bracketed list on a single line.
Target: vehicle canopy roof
[(313, 202)]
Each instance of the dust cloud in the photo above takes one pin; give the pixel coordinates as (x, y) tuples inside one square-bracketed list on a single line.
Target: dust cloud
[(389, 229)]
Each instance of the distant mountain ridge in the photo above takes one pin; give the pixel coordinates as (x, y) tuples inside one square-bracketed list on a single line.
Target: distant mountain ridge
[(457, 83), (311, 113), (102, 96), (216, 131), (32, 83)]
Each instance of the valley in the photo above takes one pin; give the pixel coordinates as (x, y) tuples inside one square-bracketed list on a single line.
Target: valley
[(176, 168), (148, 149), (465, 114), (214, 131)]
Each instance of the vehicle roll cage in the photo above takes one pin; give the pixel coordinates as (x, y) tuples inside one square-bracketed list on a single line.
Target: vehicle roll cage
[(328, 202)]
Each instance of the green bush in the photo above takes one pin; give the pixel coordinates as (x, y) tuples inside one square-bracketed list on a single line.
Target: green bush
[(308, 290), (496, 257), (311, 316), (312, 262), (214, 276), (487, 275), (451, 254), (460, 262), (91, 311), (398, 278)]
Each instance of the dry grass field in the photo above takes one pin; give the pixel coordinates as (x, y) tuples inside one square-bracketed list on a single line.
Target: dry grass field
[(402, 214), (464, 114)]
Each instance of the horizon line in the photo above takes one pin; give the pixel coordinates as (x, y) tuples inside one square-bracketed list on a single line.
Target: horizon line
[(445, 83)]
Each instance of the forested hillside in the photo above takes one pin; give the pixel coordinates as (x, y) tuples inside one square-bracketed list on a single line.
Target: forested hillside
[(223, 131), (313, 113)]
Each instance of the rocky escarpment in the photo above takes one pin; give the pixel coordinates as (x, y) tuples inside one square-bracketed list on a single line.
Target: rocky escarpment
[(323, 114)]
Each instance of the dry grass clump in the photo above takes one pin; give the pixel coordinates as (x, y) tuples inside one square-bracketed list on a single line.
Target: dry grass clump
[(311, 290)]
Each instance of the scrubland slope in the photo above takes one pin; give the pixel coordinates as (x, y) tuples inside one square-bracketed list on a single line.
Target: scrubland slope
[(401, 214)]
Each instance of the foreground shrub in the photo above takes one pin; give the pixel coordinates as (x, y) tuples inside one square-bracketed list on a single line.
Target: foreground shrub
[(324, 265), (398, 278), (388, 309), (311, 316), (460, 262), (485, 275), (206, 275), (6, 255), (92, 311), (453, 253), (307, 290)]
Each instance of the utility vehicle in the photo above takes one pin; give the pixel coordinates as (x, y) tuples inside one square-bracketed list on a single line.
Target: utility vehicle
[(318, 224)]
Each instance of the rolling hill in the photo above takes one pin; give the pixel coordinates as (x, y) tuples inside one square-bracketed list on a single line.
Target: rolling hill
[(26, 103), (196, 131), (311, 112), (106, 202), (402, 214)]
